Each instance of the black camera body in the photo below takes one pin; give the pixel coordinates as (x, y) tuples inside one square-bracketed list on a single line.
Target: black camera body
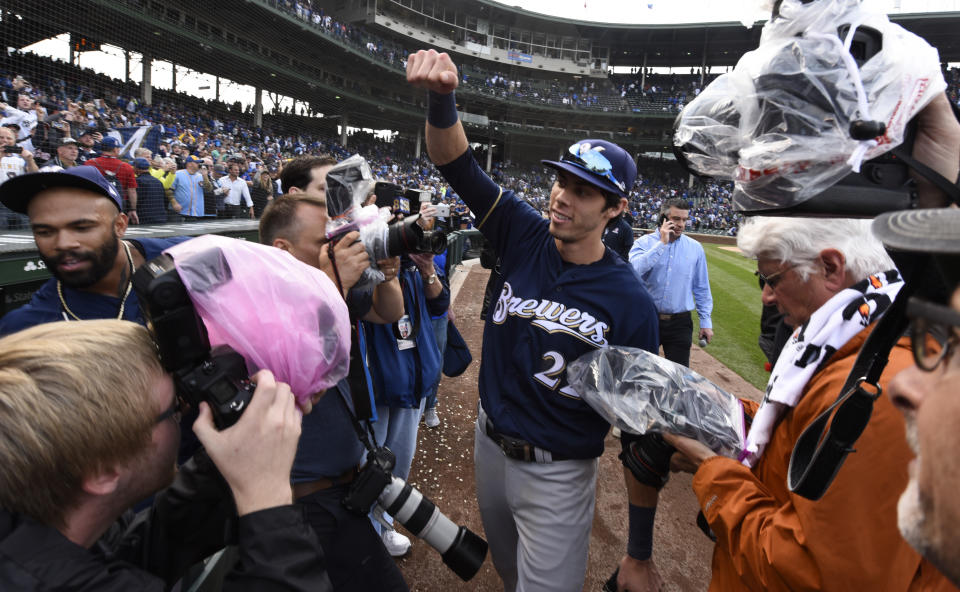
[(402, 237), (370, 482), (12, 149), (792, 104), (217, 376)]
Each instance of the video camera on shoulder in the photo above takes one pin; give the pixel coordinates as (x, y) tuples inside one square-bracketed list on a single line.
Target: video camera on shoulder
[(217, 376), (804, 126)]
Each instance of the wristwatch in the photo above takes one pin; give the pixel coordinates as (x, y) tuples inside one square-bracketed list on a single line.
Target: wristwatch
[(431, 279)]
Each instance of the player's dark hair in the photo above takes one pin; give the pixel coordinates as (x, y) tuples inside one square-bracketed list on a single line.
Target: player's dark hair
[(299, 171), (611, 200)]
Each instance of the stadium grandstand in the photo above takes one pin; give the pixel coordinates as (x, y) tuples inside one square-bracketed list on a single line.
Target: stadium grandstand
[(243, 87), (321, 77)]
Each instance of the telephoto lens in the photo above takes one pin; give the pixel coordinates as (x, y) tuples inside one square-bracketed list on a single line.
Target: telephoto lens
[(462, 550), (406, 236)]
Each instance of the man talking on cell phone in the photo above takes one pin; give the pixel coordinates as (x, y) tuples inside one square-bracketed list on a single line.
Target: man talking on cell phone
[(674, 270)]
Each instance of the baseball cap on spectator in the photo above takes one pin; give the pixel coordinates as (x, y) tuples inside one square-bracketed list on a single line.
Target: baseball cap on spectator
[(109, 143), (66, 140), (195, 159), (12, 126), (600, 163), (220, 169), (87, 132), (141, 164), (17, 192)]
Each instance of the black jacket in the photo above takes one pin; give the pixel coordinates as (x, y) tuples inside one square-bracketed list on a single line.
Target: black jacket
[(618, 235), (150, 551)]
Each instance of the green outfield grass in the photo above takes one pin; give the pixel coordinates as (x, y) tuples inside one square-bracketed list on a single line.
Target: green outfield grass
[(736, 314)]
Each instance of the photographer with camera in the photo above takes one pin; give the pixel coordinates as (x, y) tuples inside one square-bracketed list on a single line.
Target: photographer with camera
[(405, 364), (89, 140), (831, 285), (90, 427), (561, 294), (330, 451)]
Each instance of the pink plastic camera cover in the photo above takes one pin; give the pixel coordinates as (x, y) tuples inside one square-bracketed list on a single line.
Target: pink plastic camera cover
[(279, 313)]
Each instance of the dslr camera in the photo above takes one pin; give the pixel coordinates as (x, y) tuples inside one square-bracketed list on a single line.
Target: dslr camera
[(217, 376), (349, 184), (408, 236)]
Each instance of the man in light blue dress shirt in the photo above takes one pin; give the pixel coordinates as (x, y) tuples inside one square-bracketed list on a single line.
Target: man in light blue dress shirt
[(674, 270), (188, 185)]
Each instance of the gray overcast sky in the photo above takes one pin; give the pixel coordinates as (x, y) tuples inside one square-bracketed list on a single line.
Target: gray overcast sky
[(697, 11)]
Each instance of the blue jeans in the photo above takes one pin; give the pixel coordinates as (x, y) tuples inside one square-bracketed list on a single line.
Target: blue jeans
[(396, 428), (440, 332)]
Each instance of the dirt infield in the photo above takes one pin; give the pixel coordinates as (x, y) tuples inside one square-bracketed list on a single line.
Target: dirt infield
[(443, 470)]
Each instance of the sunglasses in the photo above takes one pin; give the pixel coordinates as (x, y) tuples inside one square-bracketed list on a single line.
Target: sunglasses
[(932, 324), (583, 156), (774, 278)]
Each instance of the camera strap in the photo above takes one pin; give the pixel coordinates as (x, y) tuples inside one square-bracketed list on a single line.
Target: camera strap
[(824, 444), (951, 190)]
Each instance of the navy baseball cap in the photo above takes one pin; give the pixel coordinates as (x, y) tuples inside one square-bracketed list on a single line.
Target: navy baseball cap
[(193, 158), (600, 163), (141, 163), (109, 143), (17, 192)]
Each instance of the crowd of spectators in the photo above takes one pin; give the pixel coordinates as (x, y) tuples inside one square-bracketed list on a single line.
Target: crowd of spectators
[(599, 94), (65, 102)]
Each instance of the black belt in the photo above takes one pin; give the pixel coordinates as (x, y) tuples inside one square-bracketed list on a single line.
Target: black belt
[(669, 316), (307, 487), (516, 448)]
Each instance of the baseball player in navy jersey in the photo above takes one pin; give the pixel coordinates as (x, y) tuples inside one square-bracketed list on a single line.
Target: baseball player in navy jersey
[(562, 294)]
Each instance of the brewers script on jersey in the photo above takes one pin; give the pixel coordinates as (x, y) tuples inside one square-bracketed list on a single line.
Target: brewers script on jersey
[(549, 312)]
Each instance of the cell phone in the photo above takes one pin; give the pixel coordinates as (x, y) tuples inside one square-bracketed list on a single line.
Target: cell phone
[(13, 149), (443, 210)]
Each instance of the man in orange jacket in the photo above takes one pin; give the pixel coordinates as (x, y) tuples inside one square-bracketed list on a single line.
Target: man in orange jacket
[(831, 284)]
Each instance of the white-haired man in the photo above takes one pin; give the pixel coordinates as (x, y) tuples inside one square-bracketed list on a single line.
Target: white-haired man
[(831, 279)]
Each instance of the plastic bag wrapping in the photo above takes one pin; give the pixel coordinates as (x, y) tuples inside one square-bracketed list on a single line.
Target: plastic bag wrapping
[(778, 124), (349, 183), (640, 392), (278, 313)]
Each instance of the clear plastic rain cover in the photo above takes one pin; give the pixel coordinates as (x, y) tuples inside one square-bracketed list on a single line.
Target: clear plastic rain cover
[(640, 392), (778, 123)]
